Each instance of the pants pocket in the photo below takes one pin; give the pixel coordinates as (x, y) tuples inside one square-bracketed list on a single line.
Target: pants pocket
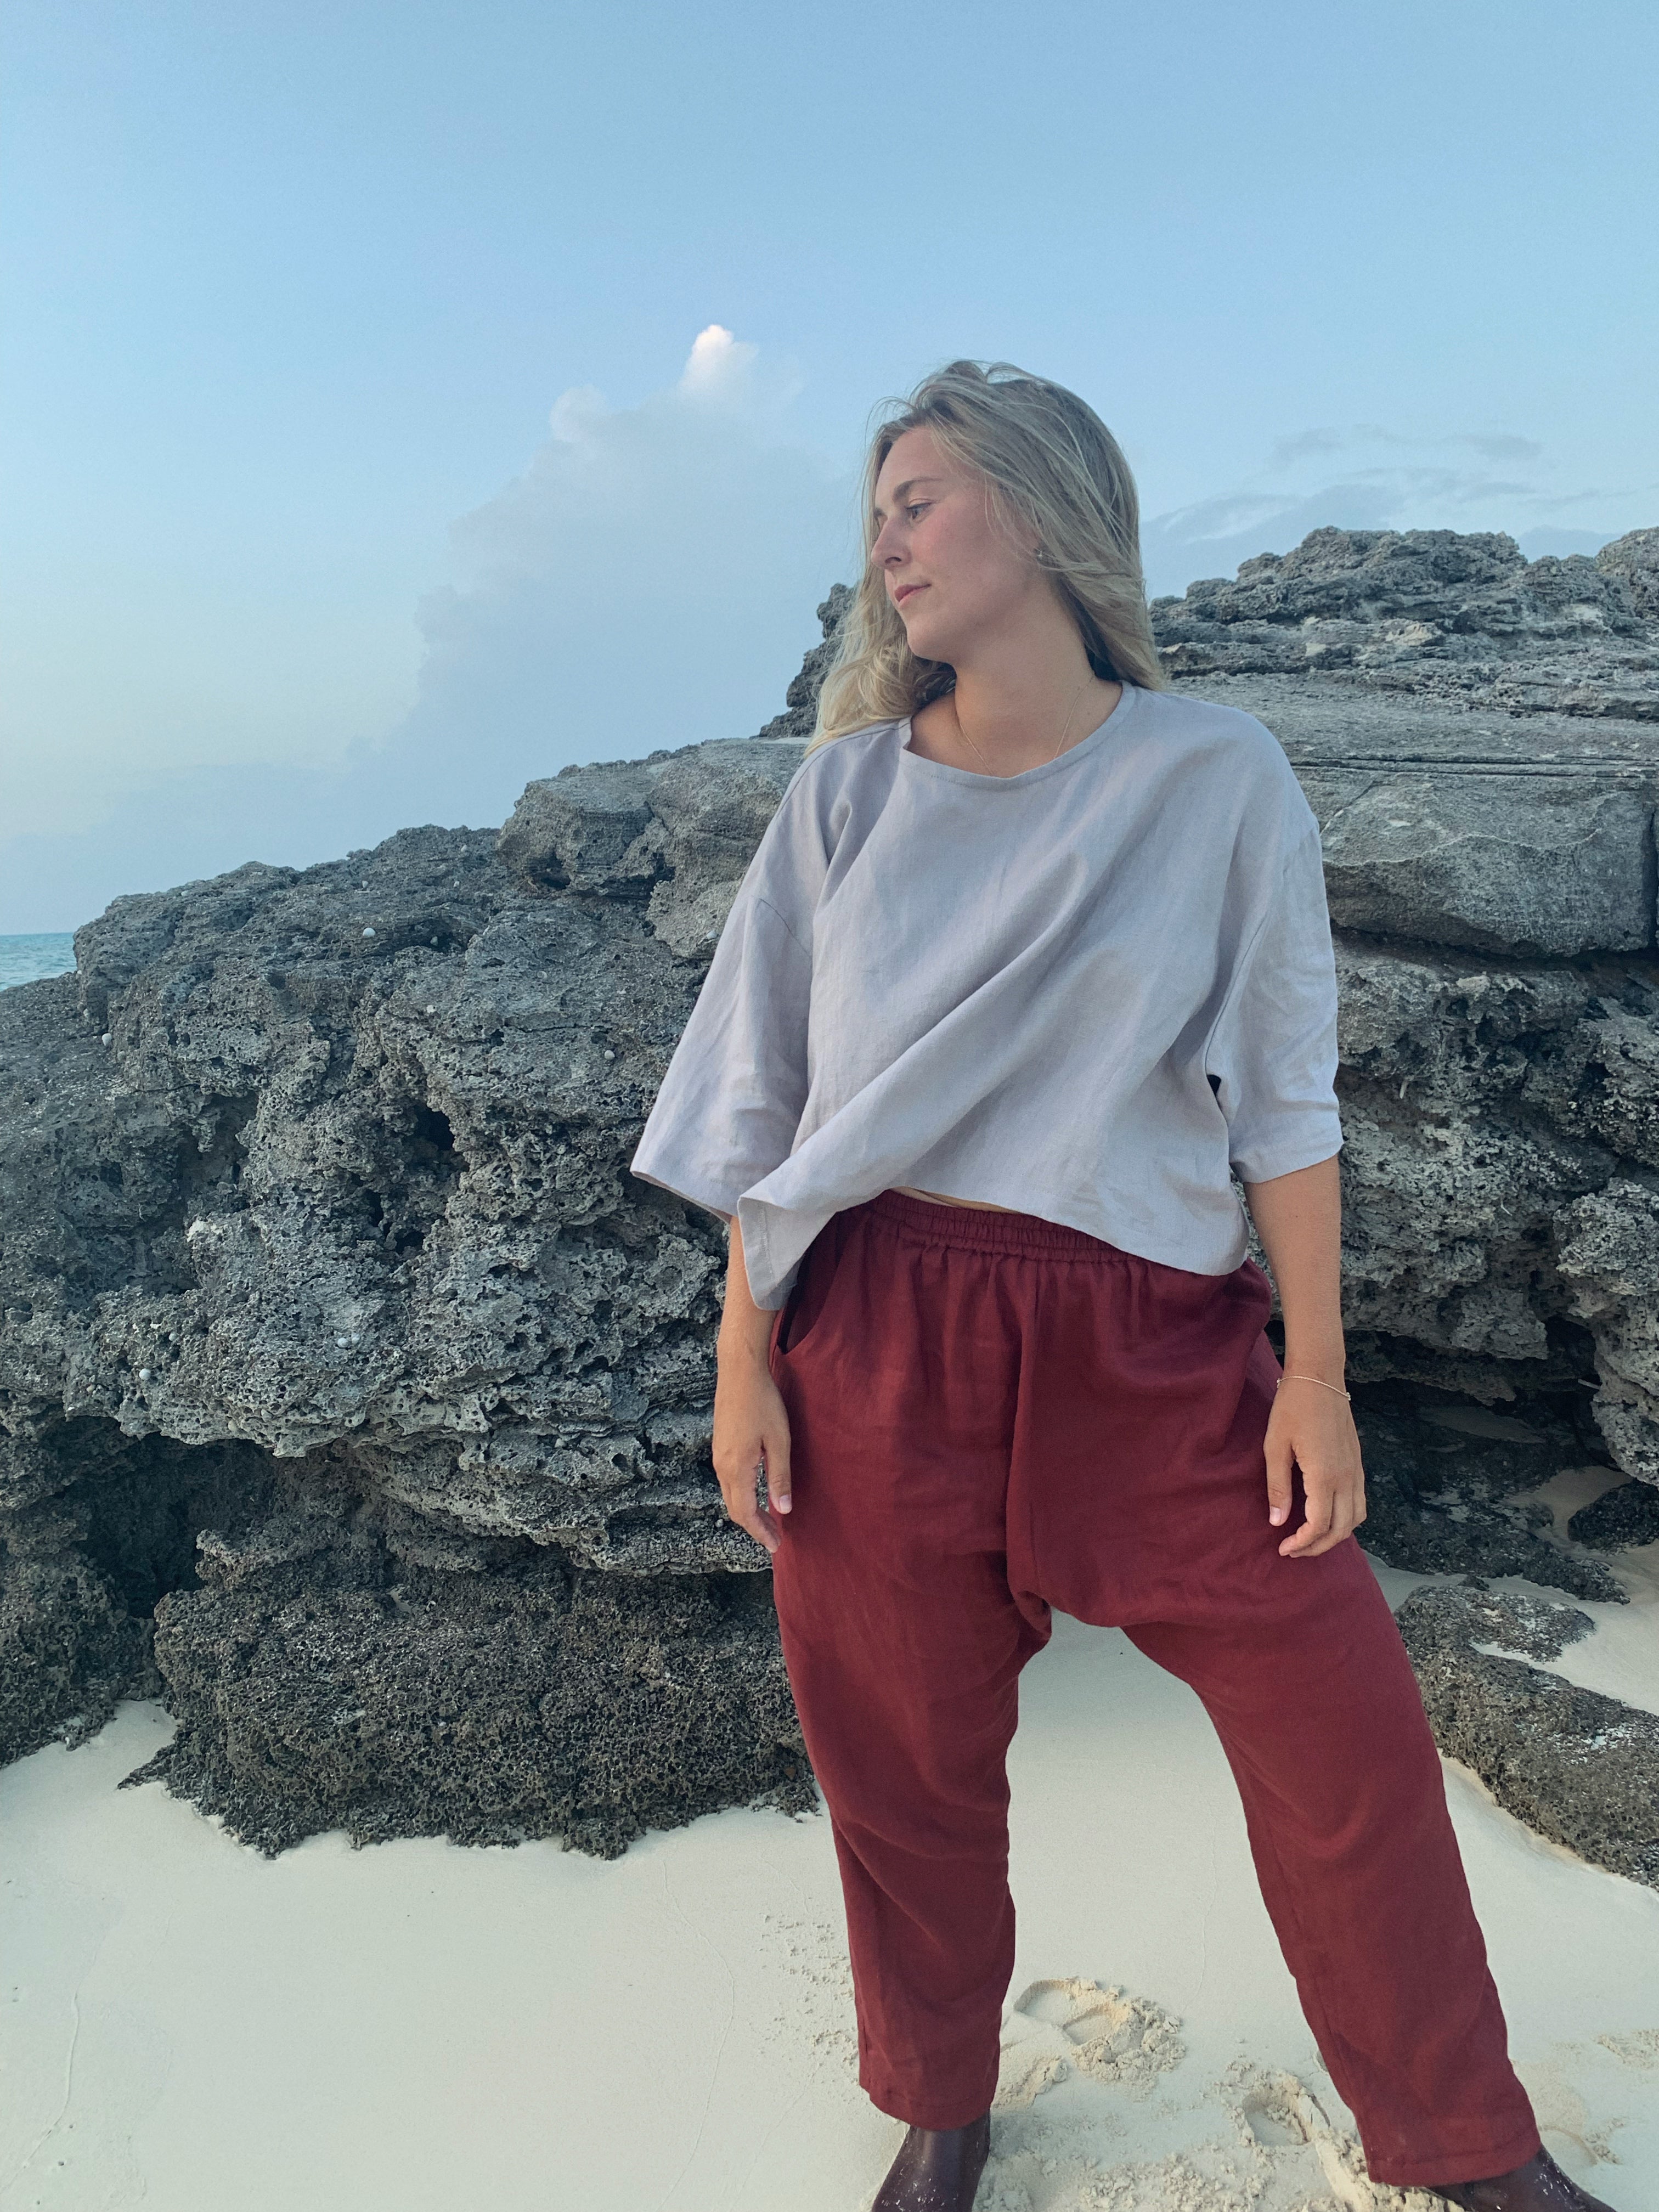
[(804, 1308)]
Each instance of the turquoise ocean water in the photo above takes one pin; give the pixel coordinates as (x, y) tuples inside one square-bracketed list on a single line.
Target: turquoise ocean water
[(25, 959)]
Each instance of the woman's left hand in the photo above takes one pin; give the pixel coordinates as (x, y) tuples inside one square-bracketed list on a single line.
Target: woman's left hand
[(1313, 1428)]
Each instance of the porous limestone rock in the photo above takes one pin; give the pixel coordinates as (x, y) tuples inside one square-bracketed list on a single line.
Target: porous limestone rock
[(1491, 884), (1437, 615), (354, 1395), (327, 1287), (1449, 1485), (1625, 1517), (1580, 1768)]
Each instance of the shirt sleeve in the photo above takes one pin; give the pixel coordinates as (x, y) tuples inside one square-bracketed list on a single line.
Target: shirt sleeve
[(731, 1100), (1271, 1055)]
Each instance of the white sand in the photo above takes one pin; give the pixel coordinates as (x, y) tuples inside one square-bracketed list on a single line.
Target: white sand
[(189, 2026)]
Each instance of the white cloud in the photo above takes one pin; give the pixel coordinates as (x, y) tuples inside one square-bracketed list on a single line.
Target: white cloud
[(717, 361), (649, 580)]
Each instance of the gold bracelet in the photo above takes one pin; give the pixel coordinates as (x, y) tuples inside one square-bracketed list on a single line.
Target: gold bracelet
[(1337, 1387)]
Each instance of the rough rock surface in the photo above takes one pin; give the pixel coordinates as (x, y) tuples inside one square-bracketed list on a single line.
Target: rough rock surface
[(1581, 1768), (318, 1237), (1448, 1485), (352, 1390), (1621, 1519), (1436, 615)]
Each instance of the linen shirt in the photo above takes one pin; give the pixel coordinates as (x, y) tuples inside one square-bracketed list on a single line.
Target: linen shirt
[(1092, 991)]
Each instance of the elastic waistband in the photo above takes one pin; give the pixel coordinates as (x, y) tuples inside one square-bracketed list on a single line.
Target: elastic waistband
[(984, 1229)]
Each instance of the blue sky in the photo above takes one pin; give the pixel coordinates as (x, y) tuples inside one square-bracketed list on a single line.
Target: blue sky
[(354, 471)]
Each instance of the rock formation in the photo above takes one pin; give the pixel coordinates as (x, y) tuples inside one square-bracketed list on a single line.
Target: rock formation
[(338, 1338), (1581, 1768), (356, 1398), (1435, 615)]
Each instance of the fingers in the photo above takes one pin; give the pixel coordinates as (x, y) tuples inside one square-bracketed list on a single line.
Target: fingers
[(1280, 1460), (775, 1449), (1318, 1533), (757, 1489), (743, 1505), (1319, 1440), (1335, 1507)]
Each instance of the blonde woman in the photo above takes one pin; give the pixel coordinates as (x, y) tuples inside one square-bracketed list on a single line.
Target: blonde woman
[(1033, 958)]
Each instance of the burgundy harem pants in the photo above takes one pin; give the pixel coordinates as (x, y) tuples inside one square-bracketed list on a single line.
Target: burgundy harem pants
[(991, 1414)]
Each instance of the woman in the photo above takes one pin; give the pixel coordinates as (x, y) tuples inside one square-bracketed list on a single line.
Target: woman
[(1034, 957)]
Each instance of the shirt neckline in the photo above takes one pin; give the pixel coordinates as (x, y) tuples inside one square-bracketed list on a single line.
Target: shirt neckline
[(1096, 737)]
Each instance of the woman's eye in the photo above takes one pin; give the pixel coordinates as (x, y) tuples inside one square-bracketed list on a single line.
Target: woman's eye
[(918, 506)]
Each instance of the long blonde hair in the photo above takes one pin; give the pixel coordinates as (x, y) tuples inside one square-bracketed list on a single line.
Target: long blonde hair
[(1047, 459)]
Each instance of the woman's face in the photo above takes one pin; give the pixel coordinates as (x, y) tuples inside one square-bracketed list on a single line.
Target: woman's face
[(953, 576)]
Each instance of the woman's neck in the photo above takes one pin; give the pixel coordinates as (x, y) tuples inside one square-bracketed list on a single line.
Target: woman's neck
[(1001, 727), (1024, 696)]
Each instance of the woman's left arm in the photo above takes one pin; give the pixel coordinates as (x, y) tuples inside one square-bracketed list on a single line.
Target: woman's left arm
[(1298, 1218)]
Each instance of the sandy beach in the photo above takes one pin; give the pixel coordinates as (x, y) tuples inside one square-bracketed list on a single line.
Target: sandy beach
[(415, 2025)]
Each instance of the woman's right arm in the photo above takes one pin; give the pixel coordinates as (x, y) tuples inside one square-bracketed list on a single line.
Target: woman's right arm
[(727, 1111), (751, 1423)]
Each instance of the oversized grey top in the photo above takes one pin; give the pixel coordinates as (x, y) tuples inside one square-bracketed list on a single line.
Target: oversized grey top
[(1087, 991)]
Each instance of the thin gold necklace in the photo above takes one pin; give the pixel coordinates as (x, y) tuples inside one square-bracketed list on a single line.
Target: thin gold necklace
[(1065, 732)]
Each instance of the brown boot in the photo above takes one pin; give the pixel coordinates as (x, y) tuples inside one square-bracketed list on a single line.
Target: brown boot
[(938, 2170), (1539, 2185)]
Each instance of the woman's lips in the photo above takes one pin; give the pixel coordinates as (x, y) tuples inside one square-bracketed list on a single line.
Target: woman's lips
[(905, 591)]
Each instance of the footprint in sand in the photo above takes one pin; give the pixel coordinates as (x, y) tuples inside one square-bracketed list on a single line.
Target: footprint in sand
[(1291, 2141), (1253, 2141), (1059, 2027)]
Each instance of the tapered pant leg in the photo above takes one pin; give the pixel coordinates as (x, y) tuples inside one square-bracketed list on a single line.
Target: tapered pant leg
[(1323, 1724), (905, 1646), (1162, 1400)]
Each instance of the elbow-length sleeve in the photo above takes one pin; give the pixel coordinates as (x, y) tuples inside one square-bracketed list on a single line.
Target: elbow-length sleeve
[(730, 1101), (1272, 1054)]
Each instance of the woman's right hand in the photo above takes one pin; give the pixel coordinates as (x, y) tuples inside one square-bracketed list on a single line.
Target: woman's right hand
[(752, 1425)]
